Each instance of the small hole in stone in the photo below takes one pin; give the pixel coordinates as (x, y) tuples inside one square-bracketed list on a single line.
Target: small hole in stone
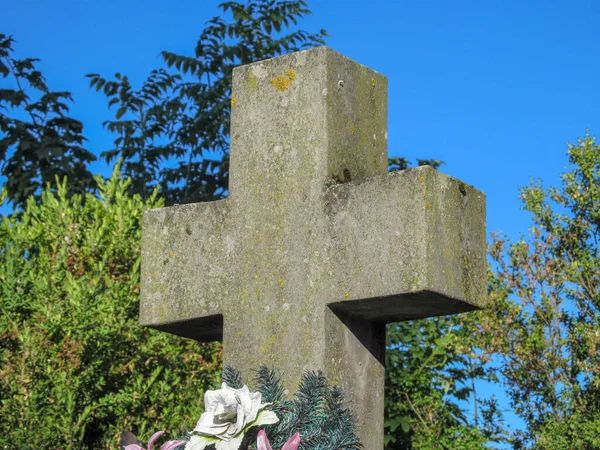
[(341, 83), (347, 176), (462, 187), (188, 230)]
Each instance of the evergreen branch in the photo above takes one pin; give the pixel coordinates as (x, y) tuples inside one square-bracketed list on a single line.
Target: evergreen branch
[(232, 377)]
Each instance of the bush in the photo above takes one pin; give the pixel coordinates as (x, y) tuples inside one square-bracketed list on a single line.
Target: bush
[(75, 366)]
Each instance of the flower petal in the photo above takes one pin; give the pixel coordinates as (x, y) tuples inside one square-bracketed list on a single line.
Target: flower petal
[(211, 425), (233, 444), (216, 401), (293, 443), (241, 414), (153, 439), (170, 445), (228, 412), (255, 399), (195, 444), (200, 442), (133, 447), (262, 443)]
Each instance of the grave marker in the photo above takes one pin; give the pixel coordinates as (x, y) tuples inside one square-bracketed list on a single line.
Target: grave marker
[(317, 247)]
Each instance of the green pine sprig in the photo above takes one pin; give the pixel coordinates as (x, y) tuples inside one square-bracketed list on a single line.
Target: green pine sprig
[(318, 411), (232, 377)]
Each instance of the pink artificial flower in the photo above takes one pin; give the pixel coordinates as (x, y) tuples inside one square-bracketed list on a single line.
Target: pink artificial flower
[(263, 443), (166, 446)]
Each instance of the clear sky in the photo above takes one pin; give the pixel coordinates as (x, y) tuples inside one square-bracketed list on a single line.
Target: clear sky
[(493, 88)]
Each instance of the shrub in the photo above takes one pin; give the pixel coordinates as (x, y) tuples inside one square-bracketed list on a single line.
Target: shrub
[(76, 368)]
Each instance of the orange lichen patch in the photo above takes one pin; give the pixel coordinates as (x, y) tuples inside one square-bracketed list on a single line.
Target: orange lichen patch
[(347, 294), (283, 82), (421, 179), (373, 82), (233, 100)]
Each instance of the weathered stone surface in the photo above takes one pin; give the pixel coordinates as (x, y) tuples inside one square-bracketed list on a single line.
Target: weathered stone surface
[(317, 247)]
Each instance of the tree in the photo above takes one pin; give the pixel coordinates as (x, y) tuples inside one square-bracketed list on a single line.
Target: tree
[(431, 369), (143, 141), (183, 118), (38, 141), (400, 163), (545, 294)]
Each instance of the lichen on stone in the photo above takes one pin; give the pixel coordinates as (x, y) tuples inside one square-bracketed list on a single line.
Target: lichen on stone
[(283, 82)]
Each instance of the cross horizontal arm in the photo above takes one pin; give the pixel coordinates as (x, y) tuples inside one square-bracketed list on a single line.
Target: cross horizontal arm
[(407, 246), (185, 274)]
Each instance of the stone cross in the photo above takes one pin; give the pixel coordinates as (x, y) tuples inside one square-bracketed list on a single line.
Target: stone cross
[(316, 247)]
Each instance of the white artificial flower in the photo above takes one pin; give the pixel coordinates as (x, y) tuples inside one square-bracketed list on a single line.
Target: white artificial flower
[(227, 414)]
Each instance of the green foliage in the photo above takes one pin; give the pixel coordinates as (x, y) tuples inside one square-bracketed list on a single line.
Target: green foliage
[(232, 377), (546, 309), (184, 118), (270, 386), (38, 140), (75, 366), (399, 163), (318, 411), (430, 378), (143, 137), (581, 431)]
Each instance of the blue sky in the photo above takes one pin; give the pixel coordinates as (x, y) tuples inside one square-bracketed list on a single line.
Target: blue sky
[(493, 88)]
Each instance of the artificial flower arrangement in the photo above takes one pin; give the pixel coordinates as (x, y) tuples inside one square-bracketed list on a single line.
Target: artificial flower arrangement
[(234, 418)]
